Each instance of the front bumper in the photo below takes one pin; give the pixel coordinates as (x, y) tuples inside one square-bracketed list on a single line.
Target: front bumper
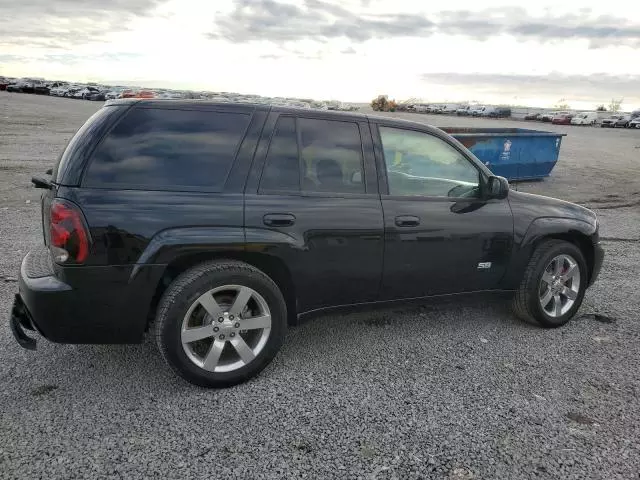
[(598, 257)]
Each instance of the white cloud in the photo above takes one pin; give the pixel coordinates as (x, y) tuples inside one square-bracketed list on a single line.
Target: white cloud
[(350, 49)]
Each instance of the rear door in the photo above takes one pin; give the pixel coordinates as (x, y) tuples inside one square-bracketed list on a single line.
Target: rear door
[(441, 237), (312, 203)]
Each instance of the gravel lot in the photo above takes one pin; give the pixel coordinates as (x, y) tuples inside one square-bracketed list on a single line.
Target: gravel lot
[(459, 390)]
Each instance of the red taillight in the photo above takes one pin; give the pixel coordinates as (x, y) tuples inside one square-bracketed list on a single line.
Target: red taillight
[(69, 238)]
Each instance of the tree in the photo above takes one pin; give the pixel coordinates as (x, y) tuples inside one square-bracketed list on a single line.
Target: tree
[(615, 105), (601, 108), (383, 104), (562, 105)]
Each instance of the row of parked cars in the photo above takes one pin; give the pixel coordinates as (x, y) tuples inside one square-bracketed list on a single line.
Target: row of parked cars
[(461, 110), (102, 93), (602, 119)]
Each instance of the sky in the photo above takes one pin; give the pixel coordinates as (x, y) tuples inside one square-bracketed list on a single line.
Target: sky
[(576, 52)]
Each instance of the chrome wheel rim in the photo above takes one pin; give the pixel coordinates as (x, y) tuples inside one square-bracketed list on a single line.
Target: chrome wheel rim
[(226, 328), (559, 285)]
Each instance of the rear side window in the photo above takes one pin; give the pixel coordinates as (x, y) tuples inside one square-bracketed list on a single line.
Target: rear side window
[(314, 155), (282, 168), (168, 150)]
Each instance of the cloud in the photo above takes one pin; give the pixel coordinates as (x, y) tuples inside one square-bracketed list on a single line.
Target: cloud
[(65, 23), (575, 87), (259, 20)]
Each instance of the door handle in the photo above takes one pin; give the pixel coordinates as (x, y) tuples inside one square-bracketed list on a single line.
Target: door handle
[(407, 221), (279, 219)]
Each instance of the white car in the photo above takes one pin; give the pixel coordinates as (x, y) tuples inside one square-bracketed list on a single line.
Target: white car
[(585, 118), (635, 123), (477, 111), (487, 111), (450, 108)]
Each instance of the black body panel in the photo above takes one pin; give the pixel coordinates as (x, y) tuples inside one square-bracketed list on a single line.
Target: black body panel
[(337, 250)]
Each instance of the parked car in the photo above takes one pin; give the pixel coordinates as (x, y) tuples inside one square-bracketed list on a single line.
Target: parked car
[(464, 110), (500, 112), (548, 116), (478, 110), (612, 121), (562, 118), (434, 109), (488, 111), (14, 87), (450, 108), (41, 90), (95, 96), (585, 118), (635, 123), (623, 121), (533, 116), (215, 238)]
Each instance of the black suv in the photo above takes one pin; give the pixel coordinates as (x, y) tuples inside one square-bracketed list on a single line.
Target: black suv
[(222, 224)]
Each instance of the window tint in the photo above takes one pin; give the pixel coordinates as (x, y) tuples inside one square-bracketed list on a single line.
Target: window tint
[(421, 164), (331, 154), (169, 149), (84, 140), (282, 167)]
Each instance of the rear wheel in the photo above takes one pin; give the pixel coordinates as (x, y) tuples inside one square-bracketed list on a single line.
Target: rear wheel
[(553, 285), (220, 323)]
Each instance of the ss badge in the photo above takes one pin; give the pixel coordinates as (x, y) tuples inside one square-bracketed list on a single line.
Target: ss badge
[(484, 265)]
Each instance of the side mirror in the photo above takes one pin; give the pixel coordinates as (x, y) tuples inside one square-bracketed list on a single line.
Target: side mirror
[(497, 187)]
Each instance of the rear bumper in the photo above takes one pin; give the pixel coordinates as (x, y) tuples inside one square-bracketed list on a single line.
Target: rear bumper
[(598, 257), (81, 304), (19, 320)]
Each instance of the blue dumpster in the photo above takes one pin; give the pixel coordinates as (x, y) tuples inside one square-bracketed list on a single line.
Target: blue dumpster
[(514, 153)]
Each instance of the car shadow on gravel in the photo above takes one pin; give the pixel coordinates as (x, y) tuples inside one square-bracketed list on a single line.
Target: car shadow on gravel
[(141, 367)]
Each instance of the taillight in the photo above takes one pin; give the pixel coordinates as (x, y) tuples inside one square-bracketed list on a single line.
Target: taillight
[(69, 238)]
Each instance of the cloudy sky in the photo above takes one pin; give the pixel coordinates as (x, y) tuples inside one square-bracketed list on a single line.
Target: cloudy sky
[(584, 52)]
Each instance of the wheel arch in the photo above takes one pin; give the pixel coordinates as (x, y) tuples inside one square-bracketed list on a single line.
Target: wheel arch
[(582, 234), (272, 266)]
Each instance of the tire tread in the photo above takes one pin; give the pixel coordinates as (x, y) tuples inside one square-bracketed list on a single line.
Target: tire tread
[(521, 300)]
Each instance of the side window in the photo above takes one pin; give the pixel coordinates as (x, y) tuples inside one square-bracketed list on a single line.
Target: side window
[(422, 164), (331, 153), (168, 150), (282, 166)]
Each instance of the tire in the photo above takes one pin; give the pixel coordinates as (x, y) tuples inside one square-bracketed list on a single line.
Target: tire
[(527, 303), (181, 305)]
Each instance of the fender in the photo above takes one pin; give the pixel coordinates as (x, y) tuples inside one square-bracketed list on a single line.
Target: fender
[(540, 228), (168, 245)]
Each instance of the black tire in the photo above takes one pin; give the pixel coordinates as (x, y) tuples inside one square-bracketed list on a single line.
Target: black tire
[(184, 291), (526, 303)]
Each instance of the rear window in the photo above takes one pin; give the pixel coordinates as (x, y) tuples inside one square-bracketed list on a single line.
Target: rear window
[(161, 149), (83, 142)]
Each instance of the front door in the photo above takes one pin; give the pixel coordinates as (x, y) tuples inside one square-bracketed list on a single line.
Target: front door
[(441, 237), (312, 204)]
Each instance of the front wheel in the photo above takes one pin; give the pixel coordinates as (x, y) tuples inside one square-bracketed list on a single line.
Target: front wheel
[(553, 285), (220, 323)]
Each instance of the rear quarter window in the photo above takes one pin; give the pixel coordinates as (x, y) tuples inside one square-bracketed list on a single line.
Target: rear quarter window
[(163, 149), (69, 166)]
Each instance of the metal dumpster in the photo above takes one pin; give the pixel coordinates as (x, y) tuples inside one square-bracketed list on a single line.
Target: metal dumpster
[(514, 153)]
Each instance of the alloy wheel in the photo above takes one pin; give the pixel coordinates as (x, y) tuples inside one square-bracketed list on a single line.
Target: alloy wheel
[(559, 285), (226, 328)]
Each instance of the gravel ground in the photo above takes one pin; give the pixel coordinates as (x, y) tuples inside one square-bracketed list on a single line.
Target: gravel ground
[(457, 390)]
